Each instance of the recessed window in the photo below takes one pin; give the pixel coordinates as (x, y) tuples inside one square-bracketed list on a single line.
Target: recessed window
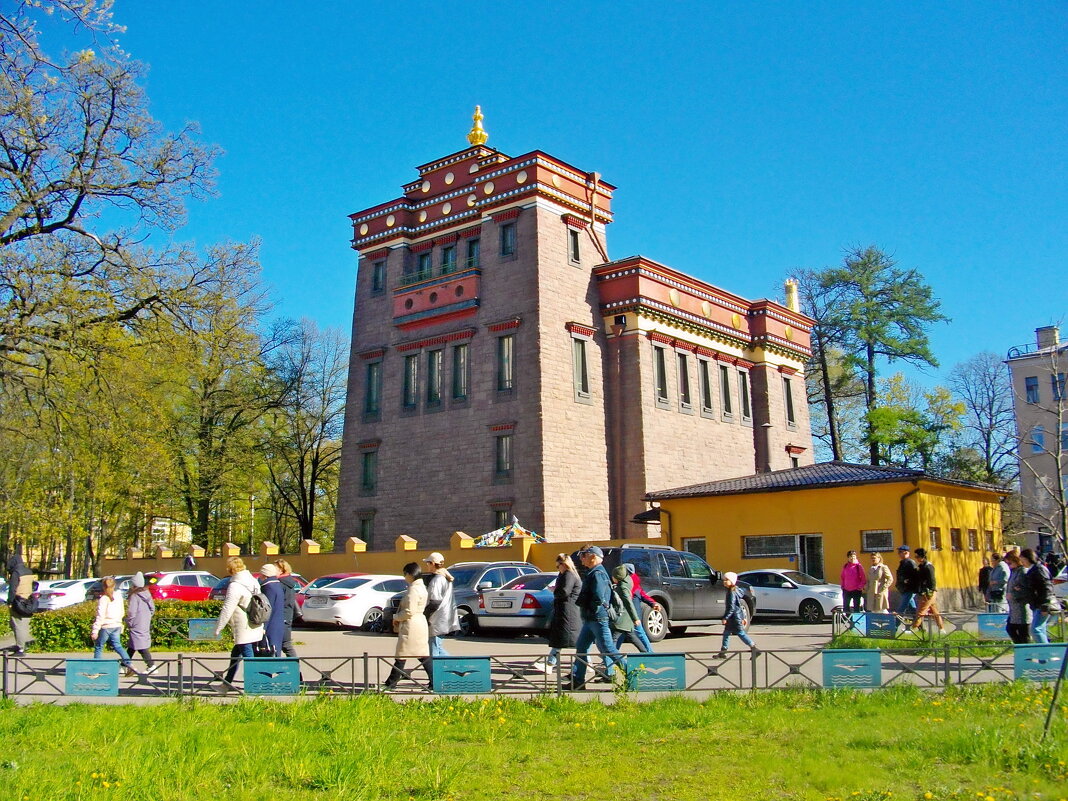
[(508, 239), (660, 387), (955, 543), (473, 253), (459, 372), (769, 545), (1058, 384), (973, 540), (874, 540), (502, 456), (1064, 437), (378, 276), (369, 472), (580, 368), (704, 377), (424, 265), (1038, 439), (685, 401), (573, 245), (935, 538), (695, 545), (1031, 387), (434, 359), (367, 527), (448, 259), (505, 363), (725, 389), (372, 395), (411, 381), (500, 518), (743, 394), (788, 399)]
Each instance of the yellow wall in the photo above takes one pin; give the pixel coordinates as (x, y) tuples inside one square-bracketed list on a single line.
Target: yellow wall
[(839, 514)]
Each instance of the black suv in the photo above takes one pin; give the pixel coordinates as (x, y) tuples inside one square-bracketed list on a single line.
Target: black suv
[(689, 590)]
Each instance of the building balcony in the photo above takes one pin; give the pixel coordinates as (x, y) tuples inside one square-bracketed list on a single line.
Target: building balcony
[(436, 298), (448, 268)]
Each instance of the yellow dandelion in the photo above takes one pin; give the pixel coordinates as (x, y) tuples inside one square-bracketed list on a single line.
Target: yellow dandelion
[(118, 784), (611, 723), (928, 795), (107, 784)]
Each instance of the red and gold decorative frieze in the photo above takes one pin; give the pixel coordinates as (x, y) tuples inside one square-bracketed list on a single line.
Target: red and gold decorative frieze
[(506, 325), (580, 329), (443, 339)]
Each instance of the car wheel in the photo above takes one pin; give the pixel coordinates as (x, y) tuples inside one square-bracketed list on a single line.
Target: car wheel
[(810, 611), (655, 624), (468, 622), (373, 621)]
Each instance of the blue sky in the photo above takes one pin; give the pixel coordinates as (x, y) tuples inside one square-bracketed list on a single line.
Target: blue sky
[(746, 139)]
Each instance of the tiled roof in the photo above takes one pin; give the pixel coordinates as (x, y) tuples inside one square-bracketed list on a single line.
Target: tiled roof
[(815, 476)]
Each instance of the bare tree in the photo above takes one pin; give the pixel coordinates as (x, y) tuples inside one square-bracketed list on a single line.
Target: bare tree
[(989, 423)]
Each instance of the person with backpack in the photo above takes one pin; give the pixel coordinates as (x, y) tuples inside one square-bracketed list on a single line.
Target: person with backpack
[(20, 601), (291, 587), (734, 617), (594, 600), (240, 593), (140, 607), (275, 627), (623, 617)]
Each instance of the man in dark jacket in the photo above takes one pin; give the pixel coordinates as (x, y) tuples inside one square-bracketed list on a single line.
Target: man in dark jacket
[(20, 586), (926, 587), (594, 601), (906, 582)]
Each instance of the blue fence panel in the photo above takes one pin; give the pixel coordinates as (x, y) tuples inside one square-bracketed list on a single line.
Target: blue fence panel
[(992, 625), (272, 676), (202, 628), (461, 674), (656, 672), (1039, 662), (881, 626), (852, 668), (92, 677)]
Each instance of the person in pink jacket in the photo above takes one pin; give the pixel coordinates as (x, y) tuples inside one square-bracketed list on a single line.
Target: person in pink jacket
[(853, 581)]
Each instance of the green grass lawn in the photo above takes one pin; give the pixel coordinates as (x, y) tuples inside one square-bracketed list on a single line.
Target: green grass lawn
[(980, 742)]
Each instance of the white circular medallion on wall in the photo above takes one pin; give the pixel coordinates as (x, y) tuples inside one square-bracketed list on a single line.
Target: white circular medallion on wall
[(706, 308), (556, 181), (391, 221), (446, 210), (449, 178), (473, 169), (364, 229), (673, 296), (472, 199), (425, 187), (521, 178), (488, 187), (736, 321), (422, 216), (789, 333)]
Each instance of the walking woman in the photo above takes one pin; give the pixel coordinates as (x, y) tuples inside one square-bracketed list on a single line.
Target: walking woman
[(291, 587), (1016, 596), (880, 580), (853, 581), (107, 627), (1039, 588), (565, 623), (140, 607), (413, 632), (625, 624), (240, 591), (275, 627)]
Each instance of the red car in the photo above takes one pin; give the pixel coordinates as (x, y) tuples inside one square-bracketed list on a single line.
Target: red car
[(181, 585), (218, 593)]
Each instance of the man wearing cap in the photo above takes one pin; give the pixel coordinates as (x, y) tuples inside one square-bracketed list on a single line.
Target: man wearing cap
[(907, 577), (440, 606), (593, 602)]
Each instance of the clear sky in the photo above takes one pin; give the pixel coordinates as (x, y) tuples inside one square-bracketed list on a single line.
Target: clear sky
[(746, 139)]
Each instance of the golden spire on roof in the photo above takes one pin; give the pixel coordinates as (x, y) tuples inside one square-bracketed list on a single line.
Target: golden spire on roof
[(478, 135)]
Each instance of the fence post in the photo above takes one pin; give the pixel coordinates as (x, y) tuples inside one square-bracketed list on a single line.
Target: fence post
[(753, 657), (945, 673), (181, 675), (4, 683), (366, 674)]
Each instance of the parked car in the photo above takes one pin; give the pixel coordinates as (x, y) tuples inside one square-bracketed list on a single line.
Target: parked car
[(181, 585), (317, 583), (689, 591), (122, 587), (523, 604), (791, 592), (218, 592), (1060, 585), (470, 579), (63, 593), (355, 601)]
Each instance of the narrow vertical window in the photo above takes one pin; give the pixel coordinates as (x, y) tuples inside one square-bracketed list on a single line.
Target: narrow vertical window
[(372, 396), (369, 472), (1038, 439), (582, 378), (573, 244), (473, 253), (660, 375), (500, 518), (743, 394), (367, 528), (508, 239), (378, 276), (448, 259), (1057, 382), (505, 364), (1064, 437), (425, 263), (459, 372), (433, 376), (684, 380), (411, 381), (705, 379), (725, 389), (1031, 386), (503, 455), (788, 399)]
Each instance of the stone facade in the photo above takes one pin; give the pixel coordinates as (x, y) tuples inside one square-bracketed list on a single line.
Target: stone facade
[(569, 445)]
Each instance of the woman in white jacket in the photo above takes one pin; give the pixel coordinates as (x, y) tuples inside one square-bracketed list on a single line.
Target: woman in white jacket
[(107, 627), (242, 587)]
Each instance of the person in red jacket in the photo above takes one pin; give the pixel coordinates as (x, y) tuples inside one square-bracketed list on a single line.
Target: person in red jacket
[(853, 582)]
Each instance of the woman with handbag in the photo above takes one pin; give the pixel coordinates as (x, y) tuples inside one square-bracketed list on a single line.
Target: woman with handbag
[(410, 623), (20, 601)]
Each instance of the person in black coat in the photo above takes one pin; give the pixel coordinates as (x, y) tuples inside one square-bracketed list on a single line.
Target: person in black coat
[(19, 582), (565, 623), (291, 587), (275, 627), (1039, 590)]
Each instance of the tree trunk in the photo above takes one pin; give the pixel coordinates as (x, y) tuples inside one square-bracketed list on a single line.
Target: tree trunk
[(869, 398)]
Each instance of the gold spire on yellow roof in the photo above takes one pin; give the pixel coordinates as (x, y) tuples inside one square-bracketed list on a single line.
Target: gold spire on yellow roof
[(478, 135)]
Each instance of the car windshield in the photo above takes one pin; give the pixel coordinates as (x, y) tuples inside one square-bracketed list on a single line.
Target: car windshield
[(322, 581), (61, 584), (802, 578), (347, 584), (538, 581), (464, 576)]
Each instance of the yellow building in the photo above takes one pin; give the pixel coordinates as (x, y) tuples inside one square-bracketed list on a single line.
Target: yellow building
[(807, 518)]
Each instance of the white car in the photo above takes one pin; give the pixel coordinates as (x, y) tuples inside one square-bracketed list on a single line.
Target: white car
[(1060, 585), (356, 601), (62, 593), (792, 593)]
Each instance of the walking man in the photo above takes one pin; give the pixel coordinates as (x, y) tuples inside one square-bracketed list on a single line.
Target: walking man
[(926, 589), (441, 605), (593, 602), (907, 573)]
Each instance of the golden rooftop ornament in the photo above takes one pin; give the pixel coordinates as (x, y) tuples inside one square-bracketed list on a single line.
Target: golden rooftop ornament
[(478, 135)]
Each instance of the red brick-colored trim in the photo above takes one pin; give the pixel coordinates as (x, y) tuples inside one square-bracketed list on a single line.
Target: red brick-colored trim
[(708, 353), (748, 365), (573, 221), (787, 370), (505, 326), (446, 239), (680, 344), (507, 214), (376, 255), (727, 359), (421, 247), (442, 339), (467, 233), (501, 506), (369, 444), (656, 336), (795, 450), (377, 353), (502, 427), (579, 328)]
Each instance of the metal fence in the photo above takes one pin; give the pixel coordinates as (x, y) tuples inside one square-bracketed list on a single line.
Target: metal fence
[(51, 678), (981, 624)]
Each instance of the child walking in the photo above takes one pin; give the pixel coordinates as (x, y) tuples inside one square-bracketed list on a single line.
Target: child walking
[(735, 616)]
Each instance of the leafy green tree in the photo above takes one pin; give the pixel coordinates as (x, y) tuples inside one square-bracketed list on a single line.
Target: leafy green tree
[(883, 312), (913, 427)]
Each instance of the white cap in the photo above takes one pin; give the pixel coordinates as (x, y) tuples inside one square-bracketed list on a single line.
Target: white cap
[(731, 577), (436, 558)]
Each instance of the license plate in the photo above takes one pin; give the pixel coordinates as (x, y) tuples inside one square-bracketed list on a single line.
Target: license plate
[(500, 604), (315, 602)]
